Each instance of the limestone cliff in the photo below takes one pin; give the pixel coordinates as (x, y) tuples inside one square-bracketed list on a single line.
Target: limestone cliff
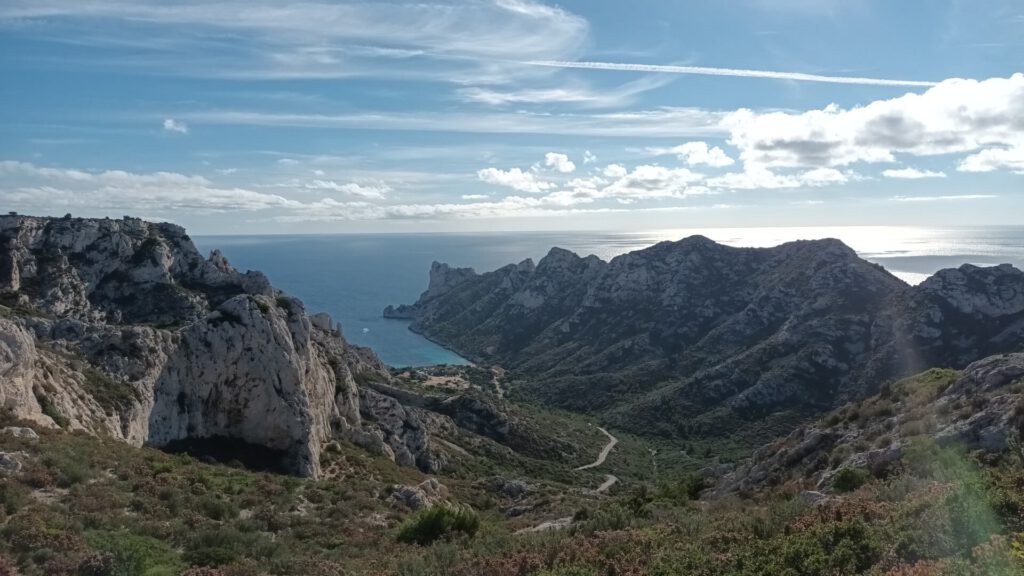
[(120, 327), (694, 338)]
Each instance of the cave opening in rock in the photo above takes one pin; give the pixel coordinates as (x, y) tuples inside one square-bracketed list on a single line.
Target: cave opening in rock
[(233, 452)]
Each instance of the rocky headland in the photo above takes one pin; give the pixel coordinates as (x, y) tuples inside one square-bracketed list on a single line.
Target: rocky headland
[(694, 338), (121, 328)]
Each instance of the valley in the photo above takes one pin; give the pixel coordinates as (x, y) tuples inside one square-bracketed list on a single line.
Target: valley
[(165, 414)]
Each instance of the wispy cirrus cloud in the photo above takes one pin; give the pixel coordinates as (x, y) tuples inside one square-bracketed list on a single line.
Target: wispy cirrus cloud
[(571, 92), (263, 39), (44, 189), (735, 72), (948, 198), (660, 122)]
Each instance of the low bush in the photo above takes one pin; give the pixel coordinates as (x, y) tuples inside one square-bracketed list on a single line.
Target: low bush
[(849, 479), (436, 522)]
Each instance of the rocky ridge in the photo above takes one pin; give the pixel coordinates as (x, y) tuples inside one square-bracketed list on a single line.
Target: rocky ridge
[(688, 338), (121, 328), (980, 410)]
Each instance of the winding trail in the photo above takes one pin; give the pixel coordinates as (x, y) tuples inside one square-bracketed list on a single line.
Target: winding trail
[(612, 441), (609, 481)]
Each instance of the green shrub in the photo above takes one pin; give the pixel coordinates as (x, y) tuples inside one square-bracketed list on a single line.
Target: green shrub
[(50, 409), (849, 479), (575, 570), (113, 395), (436, 522), (136, 555), (606, 518)]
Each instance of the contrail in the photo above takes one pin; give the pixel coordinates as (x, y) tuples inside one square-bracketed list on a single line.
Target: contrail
[(707, 71)]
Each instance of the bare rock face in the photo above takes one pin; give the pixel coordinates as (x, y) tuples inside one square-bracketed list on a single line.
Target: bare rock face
[(249, 371), (430, 492), (121, 328)]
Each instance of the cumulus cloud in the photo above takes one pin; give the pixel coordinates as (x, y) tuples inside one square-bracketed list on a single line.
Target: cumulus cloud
[(559, 162), (649, 181), (515, 178), (955, 116), (696, 153), (589, 157), (172, 125), (758, 177), (475, 196), (994, 159), (614, 171), (912, 174)]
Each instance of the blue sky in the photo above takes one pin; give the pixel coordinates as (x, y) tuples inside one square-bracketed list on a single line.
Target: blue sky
[(233, 116)]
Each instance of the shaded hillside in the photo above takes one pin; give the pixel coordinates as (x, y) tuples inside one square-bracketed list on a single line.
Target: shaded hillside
[(683, 338)]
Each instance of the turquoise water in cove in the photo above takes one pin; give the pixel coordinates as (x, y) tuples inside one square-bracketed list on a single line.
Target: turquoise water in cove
[(353, 277)]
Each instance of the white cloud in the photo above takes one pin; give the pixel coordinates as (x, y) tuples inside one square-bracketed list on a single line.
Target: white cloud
[(372, 190), (663, 122), (515, 179), (172, 125), (753, 178), (951, 198), (696, 153), (573, 93), (953, 117), (709, 71), (823, 177), (589, 157), (912, 174), (449, 40), (614, 171), (287, 161), (559, 162), (757, 177), (649, 181), (41, 189), (475, 196), (994, 159)]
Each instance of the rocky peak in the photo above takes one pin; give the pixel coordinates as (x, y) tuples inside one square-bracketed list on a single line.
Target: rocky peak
[(979, 290), (714, 336), (443, 278), (120, 327)]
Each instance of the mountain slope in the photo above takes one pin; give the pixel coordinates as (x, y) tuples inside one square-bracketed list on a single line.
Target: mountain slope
[(120, 327), (689, 337)]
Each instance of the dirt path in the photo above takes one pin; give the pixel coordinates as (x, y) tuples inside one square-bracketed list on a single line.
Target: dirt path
[(612, 441), (609, 481)]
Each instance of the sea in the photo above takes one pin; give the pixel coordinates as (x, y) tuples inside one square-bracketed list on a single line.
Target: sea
[(354, 276)]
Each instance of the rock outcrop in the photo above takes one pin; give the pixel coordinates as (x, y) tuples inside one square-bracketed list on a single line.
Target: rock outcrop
[(120, 327), (694, 338), (980, 409)]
